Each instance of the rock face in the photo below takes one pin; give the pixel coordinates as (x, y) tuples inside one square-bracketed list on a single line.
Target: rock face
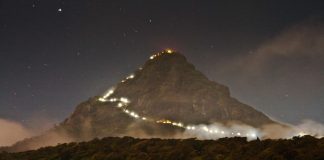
[(166, 87)]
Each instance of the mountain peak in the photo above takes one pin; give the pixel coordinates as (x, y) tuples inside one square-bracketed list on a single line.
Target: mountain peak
[(164, 53), (169, 87), (167, 56), (168, 90)]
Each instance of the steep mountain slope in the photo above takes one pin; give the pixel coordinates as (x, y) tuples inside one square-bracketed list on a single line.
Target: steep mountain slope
[(168, 90), (166, 87)]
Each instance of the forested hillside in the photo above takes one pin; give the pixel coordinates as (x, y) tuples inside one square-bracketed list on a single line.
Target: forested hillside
[(113, 148)]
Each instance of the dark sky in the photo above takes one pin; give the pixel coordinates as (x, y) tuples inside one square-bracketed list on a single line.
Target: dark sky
[(55, 54)]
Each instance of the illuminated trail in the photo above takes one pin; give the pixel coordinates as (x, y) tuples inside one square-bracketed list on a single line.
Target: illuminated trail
[(123, 102)]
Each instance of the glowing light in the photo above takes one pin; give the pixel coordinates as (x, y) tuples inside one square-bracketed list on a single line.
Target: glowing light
[(102, 99), (124, 100), (167, 51), (133, 114), (164, 121), (120, 105), (300, 134), (239, 134), (130, 76), (253, 135), (190, 128), (113, 99), (109, 93)]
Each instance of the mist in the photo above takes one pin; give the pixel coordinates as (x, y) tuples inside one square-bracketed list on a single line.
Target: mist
[(282, 76), (12, 132), (271, 131)]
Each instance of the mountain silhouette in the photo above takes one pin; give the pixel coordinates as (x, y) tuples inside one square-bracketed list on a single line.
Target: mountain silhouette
[(163, 97)]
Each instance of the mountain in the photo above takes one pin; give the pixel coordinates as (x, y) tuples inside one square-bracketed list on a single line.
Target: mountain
[(162, 98)]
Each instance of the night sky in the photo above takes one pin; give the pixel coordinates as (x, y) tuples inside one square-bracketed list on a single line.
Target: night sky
[(55, 54)]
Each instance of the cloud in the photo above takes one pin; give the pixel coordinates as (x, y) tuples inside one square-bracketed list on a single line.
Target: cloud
[(217, 130), (314, 128), (306, 127), (283, 76), (11, 132), (299, 46), (23, 138), (270, 131)]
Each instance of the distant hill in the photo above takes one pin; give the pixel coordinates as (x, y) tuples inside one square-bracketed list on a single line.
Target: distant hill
[(166, 90), (298, 148)]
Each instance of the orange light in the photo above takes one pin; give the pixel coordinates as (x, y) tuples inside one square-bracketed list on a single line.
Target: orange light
[(169, 51)]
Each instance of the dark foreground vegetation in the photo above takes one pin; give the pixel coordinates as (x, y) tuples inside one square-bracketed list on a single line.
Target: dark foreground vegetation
[(298, 148)]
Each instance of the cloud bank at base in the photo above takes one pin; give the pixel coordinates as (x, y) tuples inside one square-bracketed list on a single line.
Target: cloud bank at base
[(11, 132), (272, 131)]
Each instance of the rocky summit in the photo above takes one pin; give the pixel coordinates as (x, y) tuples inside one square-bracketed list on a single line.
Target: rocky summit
[(167, 89)]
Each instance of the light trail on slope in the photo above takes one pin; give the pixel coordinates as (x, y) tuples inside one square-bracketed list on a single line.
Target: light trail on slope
[(167, 51), (123, 102)]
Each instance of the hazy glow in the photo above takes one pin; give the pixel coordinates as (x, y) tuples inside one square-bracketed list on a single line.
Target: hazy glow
[(301, 134)]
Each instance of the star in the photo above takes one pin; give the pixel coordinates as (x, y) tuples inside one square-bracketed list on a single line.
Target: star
[(60, 10)]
